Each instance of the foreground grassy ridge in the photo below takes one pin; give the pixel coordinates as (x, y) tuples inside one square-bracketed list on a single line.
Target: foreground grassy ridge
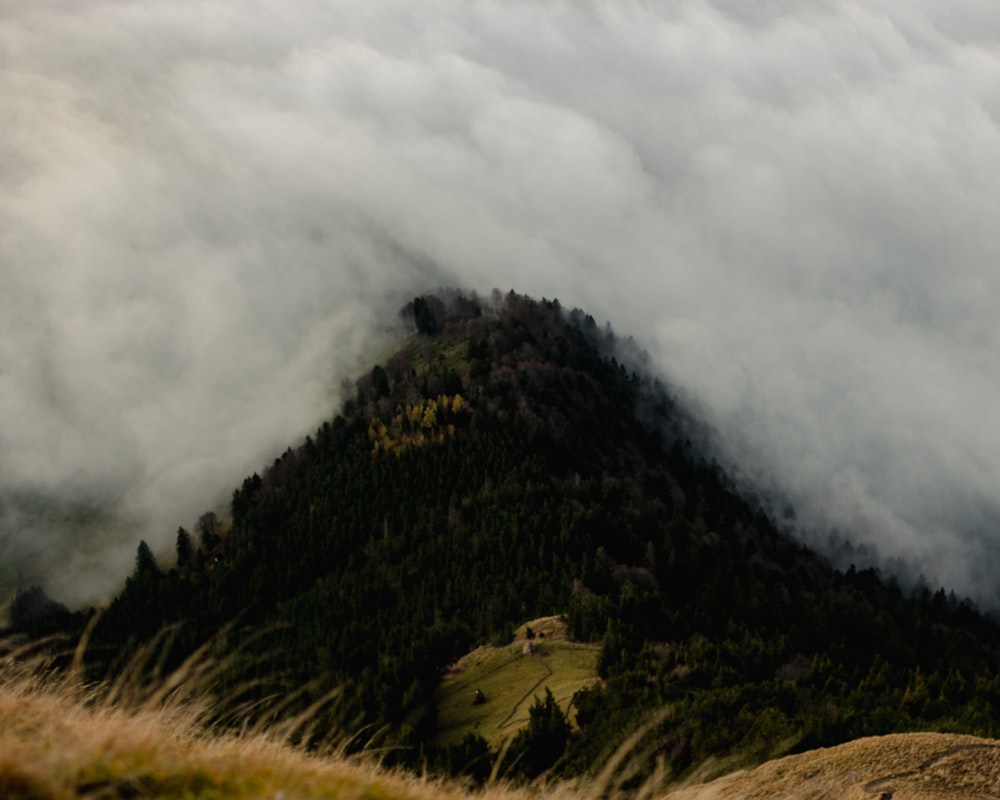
[(511, 680), (911, 766), (54, 746)]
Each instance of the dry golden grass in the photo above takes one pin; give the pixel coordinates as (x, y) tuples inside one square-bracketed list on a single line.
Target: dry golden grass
[(912, 766), (145, 737), (60, 740), (56, 746)]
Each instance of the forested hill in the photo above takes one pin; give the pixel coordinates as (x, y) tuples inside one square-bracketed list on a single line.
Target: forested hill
[(503, 465)]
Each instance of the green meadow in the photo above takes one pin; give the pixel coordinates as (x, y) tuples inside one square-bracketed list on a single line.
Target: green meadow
[(510, 679)]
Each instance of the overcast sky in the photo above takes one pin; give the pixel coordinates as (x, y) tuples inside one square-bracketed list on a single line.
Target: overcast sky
[(211, 209)]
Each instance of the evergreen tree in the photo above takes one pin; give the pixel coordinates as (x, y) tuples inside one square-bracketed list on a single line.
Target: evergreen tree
[(185, 550), (145, 563), (538, 747)]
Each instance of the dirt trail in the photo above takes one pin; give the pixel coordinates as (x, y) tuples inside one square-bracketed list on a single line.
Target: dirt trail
[(548, 674)]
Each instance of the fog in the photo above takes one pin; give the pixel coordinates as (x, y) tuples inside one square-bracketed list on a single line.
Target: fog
[(212, 209)]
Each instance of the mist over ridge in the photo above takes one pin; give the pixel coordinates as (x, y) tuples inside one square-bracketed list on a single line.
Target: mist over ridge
[(212, 209)]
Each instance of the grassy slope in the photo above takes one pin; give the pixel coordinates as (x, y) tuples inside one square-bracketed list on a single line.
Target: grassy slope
[(912, 766), (511, 680), (55, 747)]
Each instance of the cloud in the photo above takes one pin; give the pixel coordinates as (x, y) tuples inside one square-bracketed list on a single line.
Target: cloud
[(211, 209)]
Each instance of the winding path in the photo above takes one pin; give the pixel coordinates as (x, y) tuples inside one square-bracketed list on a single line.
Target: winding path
[(548, 674)]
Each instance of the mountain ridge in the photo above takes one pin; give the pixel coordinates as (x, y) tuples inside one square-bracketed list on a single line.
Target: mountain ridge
[(506, 465)]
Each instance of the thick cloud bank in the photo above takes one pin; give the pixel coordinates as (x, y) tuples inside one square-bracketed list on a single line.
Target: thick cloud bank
[(210, 207)]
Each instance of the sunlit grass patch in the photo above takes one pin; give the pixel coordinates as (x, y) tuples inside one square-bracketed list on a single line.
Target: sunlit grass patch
[(510, 679), (54, 746)]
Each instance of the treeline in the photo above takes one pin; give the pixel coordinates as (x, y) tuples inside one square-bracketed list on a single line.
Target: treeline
[(502, 466)]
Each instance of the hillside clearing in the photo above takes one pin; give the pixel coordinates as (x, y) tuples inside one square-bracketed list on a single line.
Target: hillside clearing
[(510, 679)]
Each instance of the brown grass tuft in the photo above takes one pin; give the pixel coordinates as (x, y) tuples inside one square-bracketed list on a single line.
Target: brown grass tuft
[(56, 744)]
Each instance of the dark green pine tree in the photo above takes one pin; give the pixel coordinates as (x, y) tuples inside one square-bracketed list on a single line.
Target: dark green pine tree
[(539, 746), (185, 550), (145, 563)]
